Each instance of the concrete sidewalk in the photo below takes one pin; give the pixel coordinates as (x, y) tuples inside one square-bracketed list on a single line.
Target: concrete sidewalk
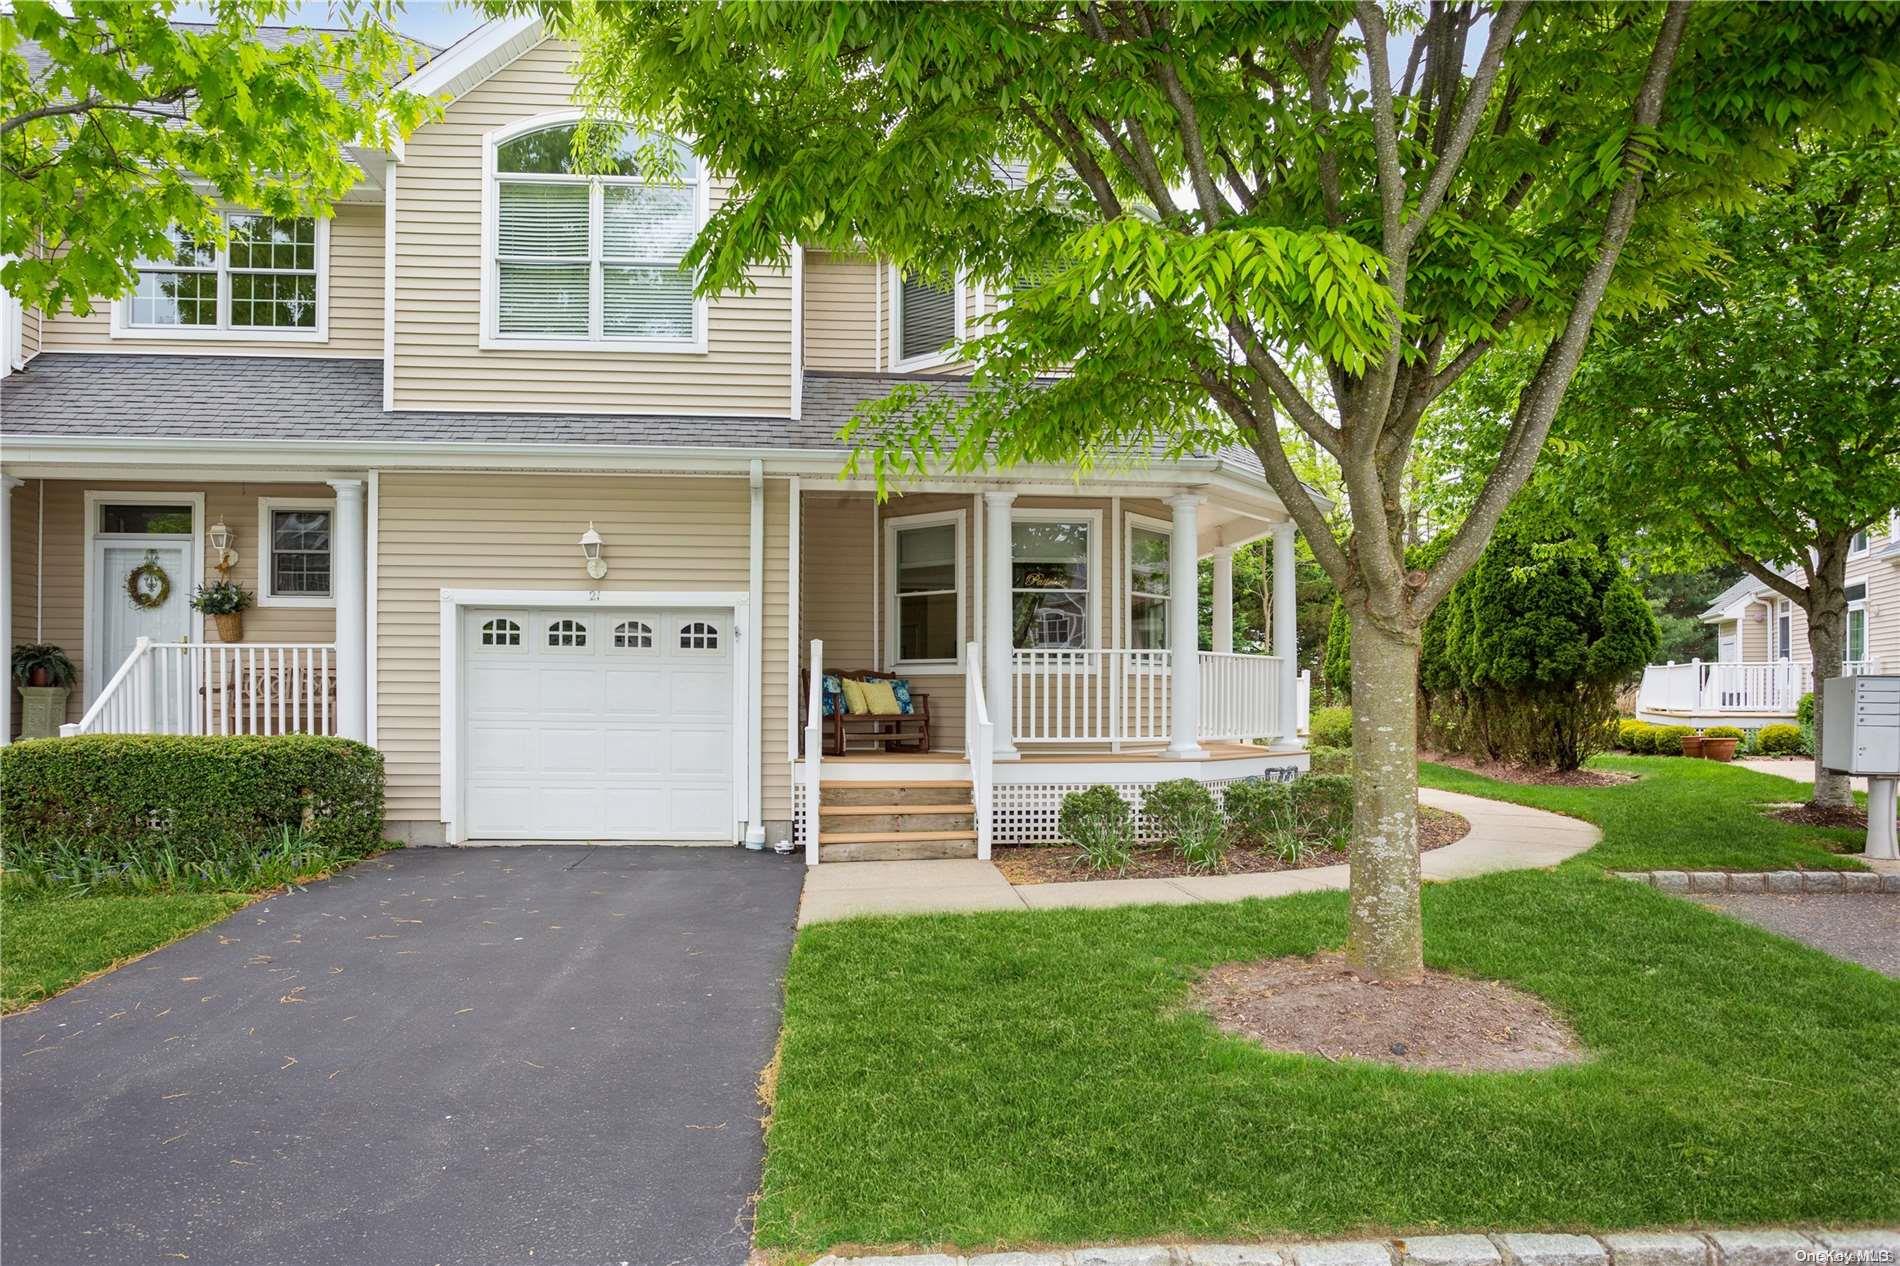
[(1502, 837), (1801, 770)]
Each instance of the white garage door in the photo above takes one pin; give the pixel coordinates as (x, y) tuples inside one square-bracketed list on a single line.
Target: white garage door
[(592, 724)]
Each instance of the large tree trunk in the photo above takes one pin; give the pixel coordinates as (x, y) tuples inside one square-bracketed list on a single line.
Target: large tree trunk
[(1386, 938), (1827, 641)]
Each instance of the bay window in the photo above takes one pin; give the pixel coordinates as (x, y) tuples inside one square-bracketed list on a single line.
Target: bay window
[(1052, 581), (268, 282), (580, 259), (1147, 585), (925, 585)]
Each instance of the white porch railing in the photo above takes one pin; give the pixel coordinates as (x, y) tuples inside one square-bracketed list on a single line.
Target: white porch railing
[(1113, 697), (1774, 687), (217, 688), (979, 745), (1303, 713), (814, 747), (1240, 696)]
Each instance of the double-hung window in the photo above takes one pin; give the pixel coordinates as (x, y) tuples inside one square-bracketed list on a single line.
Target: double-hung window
[(268, 283), (593, 259), (925, 584), (1856, 622), (294, 555), (927, 321), (1052, 579), (1147, 586)]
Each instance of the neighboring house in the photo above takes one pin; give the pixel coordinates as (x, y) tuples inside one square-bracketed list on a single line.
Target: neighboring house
[(1763, 661), (409, 425)]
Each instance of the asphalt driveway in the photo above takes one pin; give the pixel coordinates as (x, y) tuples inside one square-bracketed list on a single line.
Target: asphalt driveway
[(542, 1054)]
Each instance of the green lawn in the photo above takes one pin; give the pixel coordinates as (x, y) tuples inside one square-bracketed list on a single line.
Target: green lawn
[(1681, 815), (50, 942), (1018, 1079)]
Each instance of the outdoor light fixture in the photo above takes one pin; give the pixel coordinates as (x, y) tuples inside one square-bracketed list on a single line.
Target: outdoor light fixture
[(221, 537), (590, 550)]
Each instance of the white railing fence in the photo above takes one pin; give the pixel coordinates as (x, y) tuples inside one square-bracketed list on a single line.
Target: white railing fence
[(217, 688), (1240, 696), (979, 744), (1303, 711), (814, 747), (1772, 686), (1114, 697)]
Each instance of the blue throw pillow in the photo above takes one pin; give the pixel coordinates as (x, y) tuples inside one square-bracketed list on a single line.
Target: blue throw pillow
[(901, 689), (832, 695)]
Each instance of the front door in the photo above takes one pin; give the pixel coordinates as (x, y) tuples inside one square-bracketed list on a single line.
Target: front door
[(143, 556)]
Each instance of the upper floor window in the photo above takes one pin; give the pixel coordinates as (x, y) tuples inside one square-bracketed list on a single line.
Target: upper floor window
[(579, 259), (1858, 543), (267, 283), (927, 320)]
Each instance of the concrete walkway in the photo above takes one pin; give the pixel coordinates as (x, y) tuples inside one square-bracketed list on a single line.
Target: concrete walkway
[(1502, 837), (1801, 770)]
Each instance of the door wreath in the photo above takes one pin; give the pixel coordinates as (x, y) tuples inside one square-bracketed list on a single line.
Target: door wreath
[(147, 584)]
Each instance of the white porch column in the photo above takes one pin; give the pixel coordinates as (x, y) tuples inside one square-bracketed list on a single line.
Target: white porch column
[(352, 629), (1224, 599), (1184, 628), (998, 643), (7, 484), (1286, 634)]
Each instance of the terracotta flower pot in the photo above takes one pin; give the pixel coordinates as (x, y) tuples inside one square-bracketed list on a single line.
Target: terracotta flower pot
[(39, 675), (1719, 748), (1692, 744), (230, 626)]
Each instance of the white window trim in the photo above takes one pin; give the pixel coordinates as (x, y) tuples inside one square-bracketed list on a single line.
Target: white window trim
[(1161, 527), (900, 363), (265, 506), (1866, 538), (224, 331), (905, 523), (1094, 518), (1784, 610), (491, 338)]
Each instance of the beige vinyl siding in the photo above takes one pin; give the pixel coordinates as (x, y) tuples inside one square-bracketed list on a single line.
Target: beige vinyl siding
[(32, 325), (840, 313), (1755, 621), (49, 587), (1883, 613), (356, 306), (439, 361), (518, 531), (774, 630)]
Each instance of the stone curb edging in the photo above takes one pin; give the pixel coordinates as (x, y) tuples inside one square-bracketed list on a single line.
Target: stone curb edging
[(1629, 1248), (1784, 881)]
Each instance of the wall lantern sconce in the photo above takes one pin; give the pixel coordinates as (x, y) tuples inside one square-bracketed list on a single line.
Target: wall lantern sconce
[(590, 550), (221, 538)]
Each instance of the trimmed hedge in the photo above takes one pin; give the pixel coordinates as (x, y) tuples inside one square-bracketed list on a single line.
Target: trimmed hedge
[(1669, 739), (191, 791), (1781, 739), (1330, 727), (1332, 760)]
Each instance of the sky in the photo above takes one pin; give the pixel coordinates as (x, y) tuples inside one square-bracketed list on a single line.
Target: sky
[(437, 22)]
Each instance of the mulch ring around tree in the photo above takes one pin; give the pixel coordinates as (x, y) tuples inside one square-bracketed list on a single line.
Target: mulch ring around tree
[(1808, 814), (1444, 1023), (1526, 775), (1059, 863)]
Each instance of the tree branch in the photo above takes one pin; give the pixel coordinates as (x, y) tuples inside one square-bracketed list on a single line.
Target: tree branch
[(1503, 28)]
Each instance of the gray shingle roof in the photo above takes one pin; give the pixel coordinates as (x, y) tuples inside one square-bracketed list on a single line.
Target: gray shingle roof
[(270, 37)]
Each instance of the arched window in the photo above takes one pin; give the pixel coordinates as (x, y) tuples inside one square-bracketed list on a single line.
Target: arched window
[(699, 636), (501, 633), (567, 633), (633, 635), (583, 258)]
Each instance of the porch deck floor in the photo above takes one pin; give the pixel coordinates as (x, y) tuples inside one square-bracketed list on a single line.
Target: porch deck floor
[(1215, 751), (1502, 837)]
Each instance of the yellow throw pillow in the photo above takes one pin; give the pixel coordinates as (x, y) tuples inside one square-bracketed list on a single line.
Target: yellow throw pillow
[(855, 703), (881, 699)]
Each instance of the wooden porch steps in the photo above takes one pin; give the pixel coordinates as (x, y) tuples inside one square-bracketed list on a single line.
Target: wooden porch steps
[(895, 821)]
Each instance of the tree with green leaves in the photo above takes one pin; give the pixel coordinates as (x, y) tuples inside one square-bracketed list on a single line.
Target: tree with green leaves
[(1755, 420), (120, 128), (1185, 202)]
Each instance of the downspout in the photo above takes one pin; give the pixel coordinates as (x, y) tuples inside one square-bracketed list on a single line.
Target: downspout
[(755, 658)]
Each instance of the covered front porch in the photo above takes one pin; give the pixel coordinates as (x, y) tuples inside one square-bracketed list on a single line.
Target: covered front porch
[(1036, 633), (1746, 695)]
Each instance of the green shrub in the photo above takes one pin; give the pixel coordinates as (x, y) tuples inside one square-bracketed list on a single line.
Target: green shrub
[(1780, 740), (1669, 739), (1330, 727), (1626, 732), (1723, 731), (1804, 711), (1331, 760), (1323, 803), (1098, 822), (79, 868), (1257, 810), (1335, 669), (1643, 739), (127, 794), (1184, 813)]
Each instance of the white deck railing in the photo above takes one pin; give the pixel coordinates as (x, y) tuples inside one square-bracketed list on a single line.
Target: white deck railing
[(217, 688), (979, 745), (1113, 697), (814, 748), (1774, 687), (1240, 696)]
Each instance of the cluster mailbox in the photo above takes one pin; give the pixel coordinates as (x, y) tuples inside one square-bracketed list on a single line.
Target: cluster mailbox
[(1860, 734)]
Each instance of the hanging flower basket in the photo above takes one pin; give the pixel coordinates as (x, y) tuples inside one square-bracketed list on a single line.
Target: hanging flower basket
[(230, 626)]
